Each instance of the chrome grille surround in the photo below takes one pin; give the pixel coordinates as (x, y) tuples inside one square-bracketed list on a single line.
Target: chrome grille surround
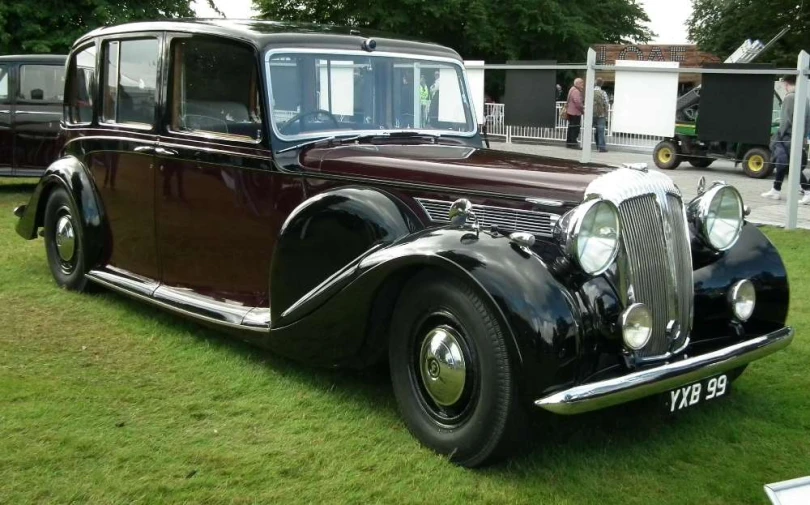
[(655, 262), (536, 223)]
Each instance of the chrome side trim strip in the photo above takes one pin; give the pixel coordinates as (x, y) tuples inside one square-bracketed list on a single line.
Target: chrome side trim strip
[(606, 393), (195, 306)]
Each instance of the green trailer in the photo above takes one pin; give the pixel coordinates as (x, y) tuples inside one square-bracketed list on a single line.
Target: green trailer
[(685, 146)]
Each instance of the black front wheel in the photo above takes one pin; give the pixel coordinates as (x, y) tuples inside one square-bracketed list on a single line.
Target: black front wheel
[(756, 163), (451, 371), (63, 241)]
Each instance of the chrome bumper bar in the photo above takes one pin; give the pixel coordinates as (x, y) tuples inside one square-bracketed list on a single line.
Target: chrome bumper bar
[(598, 395)]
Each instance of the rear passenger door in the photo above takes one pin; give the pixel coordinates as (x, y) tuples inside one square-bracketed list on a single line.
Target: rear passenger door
[(120, 149), (6, 132), (37, 114)]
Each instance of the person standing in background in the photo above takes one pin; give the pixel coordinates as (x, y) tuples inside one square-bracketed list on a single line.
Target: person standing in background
[(780, 145), (601, 105), (575, 107)]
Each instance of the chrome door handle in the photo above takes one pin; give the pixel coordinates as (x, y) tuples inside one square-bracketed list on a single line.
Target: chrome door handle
[(162, 151), (144, 149)]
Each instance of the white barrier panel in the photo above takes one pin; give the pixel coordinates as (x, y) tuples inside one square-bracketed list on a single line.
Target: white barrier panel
[(645, 102), (475, 74)]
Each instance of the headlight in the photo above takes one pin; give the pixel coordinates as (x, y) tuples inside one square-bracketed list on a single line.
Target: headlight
[(590, 235), (717, 215), (743, 299), (636, 326)]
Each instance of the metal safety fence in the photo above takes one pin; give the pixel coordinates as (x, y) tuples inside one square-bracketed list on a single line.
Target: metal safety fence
[(494, 115)]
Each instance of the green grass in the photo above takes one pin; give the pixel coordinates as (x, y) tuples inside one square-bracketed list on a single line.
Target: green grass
[(105, 400)]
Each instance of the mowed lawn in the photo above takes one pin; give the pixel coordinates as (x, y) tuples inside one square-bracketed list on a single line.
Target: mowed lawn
[(105, 400)]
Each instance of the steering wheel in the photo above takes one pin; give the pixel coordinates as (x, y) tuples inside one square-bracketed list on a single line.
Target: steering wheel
[(298, 118)]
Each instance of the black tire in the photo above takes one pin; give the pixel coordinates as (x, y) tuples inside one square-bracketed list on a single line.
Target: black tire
[(757, 163), (667, 155), (485, 422), (700, 161), (67, 269)]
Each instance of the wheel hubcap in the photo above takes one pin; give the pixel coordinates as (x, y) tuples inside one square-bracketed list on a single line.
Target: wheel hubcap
[(665, 155), (756, 163), (442, 366), (65, 238)]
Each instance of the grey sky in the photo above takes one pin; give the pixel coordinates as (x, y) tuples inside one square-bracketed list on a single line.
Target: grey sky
[(667, 17)]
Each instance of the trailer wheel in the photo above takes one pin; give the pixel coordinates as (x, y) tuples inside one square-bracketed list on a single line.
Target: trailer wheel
[(667, 155), (756, 163)]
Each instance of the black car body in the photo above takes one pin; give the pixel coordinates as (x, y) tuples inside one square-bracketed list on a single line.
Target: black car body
[(289, 184), (31, 96)]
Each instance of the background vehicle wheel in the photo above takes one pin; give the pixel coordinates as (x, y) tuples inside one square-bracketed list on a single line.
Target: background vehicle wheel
[(451, 372), (666, 155), (63, 242), (756, 163), (700, 161)]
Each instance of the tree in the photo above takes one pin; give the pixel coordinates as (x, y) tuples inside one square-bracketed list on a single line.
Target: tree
[(720, 26), (491, 30), (51, 26)]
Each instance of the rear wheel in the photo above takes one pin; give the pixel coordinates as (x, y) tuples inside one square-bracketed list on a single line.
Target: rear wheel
[(666, 155), (451, 371), (756, 163), (63, 241)]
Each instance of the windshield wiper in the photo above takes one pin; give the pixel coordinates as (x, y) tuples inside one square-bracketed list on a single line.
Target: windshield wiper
[(408, 134)]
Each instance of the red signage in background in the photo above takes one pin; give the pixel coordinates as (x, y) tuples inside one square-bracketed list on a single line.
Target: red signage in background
[(686, 55)]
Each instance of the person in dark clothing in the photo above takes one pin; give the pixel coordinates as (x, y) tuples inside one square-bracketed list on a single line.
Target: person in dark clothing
[(780, 145)]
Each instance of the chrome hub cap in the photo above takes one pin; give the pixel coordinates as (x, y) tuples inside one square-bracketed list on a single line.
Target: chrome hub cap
[(65, 238), (442, 366)]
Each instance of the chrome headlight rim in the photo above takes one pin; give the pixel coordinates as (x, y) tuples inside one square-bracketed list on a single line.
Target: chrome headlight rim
[(700, 209), (734, 297), (571, 229)]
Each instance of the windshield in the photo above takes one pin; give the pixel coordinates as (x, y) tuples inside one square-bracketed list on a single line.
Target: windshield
[(316, 94)]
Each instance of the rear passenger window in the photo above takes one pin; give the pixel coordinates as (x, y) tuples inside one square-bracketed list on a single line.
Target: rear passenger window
[(81, 76), (4, 82), (215, 89), (42, 83), (130, 82)]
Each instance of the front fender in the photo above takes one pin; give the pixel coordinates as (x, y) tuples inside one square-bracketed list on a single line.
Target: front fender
[(71, 174), (753, 257), (538, 313)]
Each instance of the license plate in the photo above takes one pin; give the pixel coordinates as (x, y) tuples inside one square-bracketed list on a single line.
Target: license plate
[(693, 394)]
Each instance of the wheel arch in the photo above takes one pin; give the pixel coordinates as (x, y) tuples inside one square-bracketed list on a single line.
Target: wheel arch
[(70, 174)]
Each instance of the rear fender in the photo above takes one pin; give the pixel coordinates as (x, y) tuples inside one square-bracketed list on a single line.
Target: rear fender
[(71, 174)]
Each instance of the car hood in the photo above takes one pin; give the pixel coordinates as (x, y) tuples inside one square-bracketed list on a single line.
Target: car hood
[(459, 169)]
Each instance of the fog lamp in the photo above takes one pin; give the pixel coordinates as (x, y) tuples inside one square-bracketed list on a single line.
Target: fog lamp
[(743, 298), (636, 326)]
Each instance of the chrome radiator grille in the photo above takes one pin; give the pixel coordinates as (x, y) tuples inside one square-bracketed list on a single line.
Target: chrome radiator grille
[(656, 260), (537, 223)]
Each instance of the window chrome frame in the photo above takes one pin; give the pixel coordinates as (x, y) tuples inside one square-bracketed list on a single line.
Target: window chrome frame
[(375, 131)]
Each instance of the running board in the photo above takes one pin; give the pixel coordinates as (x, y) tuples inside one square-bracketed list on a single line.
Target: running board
[(184, 301)]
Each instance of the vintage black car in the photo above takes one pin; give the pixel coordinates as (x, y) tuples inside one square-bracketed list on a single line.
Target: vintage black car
[(31, 94), (324, 193)]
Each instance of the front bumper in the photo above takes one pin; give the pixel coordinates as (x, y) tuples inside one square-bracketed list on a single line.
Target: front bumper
[(601, 394)]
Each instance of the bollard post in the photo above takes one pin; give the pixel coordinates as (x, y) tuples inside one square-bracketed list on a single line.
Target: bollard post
[(587, 117), (508, 134), (797, 142)]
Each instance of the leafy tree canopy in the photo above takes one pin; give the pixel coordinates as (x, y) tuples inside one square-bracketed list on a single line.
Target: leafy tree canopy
[(720, 26), (490, 30), (51, 26)]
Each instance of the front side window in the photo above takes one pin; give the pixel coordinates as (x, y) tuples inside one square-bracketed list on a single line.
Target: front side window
[(319, 93), (81, 75), (215, 89), (42, 83), (130, 82), (4, 80)]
